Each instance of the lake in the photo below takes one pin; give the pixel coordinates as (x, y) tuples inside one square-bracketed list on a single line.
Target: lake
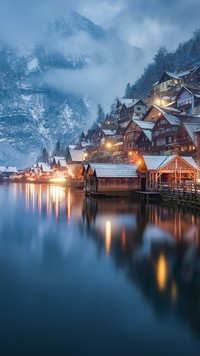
[(85, 276)]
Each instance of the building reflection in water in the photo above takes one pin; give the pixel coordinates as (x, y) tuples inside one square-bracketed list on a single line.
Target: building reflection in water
[(50, 200), (69, 205), (157, 247), (108, 237), (162, 272)]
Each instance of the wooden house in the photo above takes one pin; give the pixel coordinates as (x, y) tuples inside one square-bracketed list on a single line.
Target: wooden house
[(7, 172), (131, 135), (164, 133), (144, 142), (171, 169), (188, 100), (75, 159), (44, 171), (60, 169), (111, 179), (155, 111), (127, 108), (167, 81)]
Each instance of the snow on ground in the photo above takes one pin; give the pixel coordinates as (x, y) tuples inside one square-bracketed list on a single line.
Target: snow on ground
[(32, 65)]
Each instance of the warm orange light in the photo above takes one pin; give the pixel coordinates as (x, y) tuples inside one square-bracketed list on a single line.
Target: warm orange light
[(158, 102), (130, 153), (69, 206), (108, 145), (108, 236), (139, 162), (162, 272)]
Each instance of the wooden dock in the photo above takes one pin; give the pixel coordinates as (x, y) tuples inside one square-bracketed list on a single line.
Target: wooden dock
[(147, 196)]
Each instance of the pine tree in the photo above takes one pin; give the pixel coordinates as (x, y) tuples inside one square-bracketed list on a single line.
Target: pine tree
[(127, 94), (160, 59), (100, 114), (45, 156), (56, 151)]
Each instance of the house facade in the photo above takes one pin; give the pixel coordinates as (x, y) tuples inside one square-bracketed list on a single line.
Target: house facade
[(171, 169), (188, 101), (111, 179)]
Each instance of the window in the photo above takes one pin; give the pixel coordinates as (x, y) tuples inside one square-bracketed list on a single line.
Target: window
[(161, 142), (138, 108)]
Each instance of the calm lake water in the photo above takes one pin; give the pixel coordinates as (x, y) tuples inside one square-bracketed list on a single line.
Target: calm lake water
[(80, 276)]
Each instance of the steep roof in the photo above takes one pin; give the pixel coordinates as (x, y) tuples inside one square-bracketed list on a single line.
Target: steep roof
[(154, 163), (172, 119), (58, 158), (148, 134), (77, 155), (45, 167), (145, 125), (190, 160), (191, 128), (109, 170), (8, 169), (63, 163), (109, 132)]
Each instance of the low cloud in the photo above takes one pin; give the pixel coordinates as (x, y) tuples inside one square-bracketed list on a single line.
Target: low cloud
[(110, 65), (140, 23)]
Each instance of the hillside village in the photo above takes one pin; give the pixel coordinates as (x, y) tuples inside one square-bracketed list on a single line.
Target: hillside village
[(162, 128)]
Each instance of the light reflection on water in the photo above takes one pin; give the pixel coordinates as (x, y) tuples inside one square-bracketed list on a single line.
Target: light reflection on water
[(88, 276)]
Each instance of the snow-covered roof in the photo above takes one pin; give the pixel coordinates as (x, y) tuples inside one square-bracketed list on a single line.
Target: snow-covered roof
[(167, 160), (173, 75), (155, 84), (8, 169), (72, 147), (128, 101), (148, 134), (86, 144), (77, 155), (109, 132), (63, 163), (172, 119), (154, 163), (45, 167), (171, 109), (182, 74), (114, 170), (191, 128), (190, 160), (58, 158), (144, 124)]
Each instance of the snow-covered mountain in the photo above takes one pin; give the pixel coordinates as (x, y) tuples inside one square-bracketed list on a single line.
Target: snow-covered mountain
[(38, 103)]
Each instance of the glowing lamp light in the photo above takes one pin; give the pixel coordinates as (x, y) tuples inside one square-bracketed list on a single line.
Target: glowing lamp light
[(162, 272), (139, 162), (108, 145), (130, 153), (58, 180)]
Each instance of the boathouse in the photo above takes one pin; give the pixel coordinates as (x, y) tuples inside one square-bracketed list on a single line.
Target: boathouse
[(172, 169), (111, 179)]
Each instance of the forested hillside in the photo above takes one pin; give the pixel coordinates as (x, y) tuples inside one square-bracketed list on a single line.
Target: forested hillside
[(186, 55)]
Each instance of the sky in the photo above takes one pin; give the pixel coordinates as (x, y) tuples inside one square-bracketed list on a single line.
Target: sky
[(147, 24)]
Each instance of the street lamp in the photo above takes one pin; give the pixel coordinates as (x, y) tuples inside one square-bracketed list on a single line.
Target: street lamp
[(84, 156)]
